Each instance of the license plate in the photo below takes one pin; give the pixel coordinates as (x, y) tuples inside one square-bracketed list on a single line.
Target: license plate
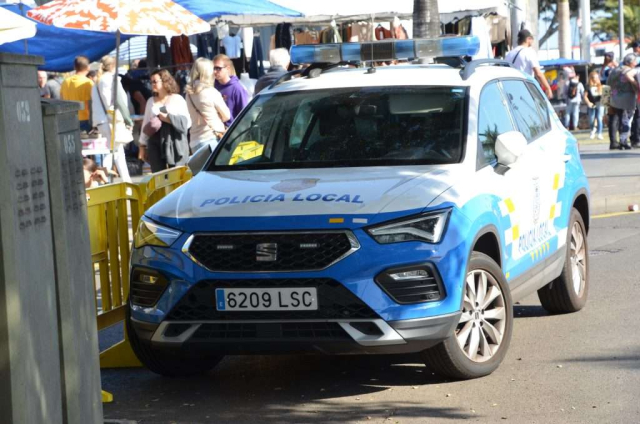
[(273, 299)]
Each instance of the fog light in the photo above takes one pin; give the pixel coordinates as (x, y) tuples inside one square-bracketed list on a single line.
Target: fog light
[(415, 275), (147, 279)]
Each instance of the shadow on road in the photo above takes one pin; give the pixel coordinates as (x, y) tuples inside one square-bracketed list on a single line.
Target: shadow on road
[(617, 154), (629, 361), (529, 311), (271, 389)]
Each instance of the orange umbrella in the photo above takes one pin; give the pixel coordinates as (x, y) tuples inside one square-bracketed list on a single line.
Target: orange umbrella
[(131, 17)]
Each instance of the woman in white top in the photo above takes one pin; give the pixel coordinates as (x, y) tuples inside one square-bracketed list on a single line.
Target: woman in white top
[(102, 114), (206, 106), (163, 140)]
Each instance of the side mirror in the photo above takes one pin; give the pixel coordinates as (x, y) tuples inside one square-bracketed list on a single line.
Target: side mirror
[(509, 147), (199, 158)]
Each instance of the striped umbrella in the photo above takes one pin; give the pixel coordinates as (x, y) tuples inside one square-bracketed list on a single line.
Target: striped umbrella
[(131, 17)]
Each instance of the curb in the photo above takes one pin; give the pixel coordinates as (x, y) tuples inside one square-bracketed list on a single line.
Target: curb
[(612, 204)]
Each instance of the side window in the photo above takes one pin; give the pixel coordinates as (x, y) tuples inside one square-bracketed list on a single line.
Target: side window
[(541, 104), (493, 120), (525, 111)]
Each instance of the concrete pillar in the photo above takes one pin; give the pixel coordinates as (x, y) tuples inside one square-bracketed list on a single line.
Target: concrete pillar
[(30, 382), (74, 274)]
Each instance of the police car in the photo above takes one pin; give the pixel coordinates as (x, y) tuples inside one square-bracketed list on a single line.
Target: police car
[(362, 209)]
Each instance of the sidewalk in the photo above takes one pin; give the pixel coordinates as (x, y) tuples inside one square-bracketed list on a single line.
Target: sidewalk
[(614, 175)]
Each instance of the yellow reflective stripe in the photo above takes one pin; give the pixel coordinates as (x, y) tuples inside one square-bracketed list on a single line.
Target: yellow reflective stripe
[(510, 207)]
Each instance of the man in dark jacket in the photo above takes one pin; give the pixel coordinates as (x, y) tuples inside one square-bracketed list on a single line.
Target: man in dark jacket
[(228, 84), (279, 59)]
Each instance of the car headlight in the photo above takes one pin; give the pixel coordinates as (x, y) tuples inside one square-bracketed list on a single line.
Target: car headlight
[(426, 227), (151, 234)]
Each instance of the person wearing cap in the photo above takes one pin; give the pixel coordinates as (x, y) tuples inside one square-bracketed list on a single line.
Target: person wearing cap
[(525, 58), (624, 91)]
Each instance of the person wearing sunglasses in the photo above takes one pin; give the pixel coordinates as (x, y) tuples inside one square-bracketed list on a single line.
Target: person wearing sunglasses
[(163, 141), (228, 84)]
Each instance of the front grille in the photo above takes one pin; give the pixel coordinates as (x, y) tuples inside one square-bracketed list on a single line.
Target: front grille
[(271, 331), (334, 301), (260, 252), (425, 290)]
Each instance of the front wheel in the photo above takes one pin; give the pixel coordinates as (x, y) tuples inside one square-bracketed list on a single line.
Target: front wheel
[(164, 363), (568, 292), (481, 338)]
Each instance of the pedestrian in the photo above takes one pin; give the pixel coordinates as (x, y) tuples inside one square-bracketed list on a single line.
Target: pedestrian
[(279, 60), (634, 137), (207, 109), (574, 91), (592, 97), (624, 90), (228, 84), (525, 58), (163, 141), (103, 109), (49, 87), (77, 88), (607, 66)]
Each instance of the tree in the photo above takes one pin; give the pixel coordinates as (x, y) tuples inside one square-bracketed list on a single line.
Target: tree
[(609, 24), (548, 11), (426, 19)]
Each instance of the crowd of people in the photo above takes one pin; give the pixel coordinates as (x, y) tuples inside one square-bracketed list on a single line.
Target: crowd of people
[(176, 120), (622, 106)]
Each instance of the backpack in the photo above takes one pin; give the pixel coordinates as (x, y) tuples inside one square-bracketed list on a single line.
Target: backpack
[(573, 89)]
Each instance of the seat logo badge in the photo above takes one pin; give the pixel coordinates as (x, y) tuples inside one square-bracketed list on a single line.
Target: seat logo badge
[(266, 252)]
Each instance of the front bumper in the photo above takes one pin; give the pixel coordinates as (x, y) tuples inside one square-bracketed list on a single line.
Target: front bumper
[(337, 336)]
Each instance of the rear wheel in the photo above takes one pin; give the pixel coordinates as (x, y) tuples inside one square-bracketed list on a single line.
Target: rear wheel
[(568, 292), (165, 363), (481, 338)]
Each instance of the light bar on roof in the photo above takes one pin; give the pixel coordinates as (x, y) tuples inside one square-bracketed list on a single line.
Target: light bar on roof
[(385, 50)]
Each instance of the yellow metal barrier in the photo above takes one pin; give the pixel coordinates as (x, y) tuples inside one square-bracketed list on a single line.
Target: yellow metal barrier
[(158, 185), (114, 211)]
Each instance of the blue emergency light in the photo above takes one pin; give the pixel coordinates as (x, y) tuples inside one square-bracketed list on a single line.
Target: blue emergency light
[(385, 50)]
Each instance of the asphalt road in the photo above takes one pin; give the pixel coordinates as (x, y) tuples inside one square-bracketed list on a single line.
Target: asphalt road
[(575, 368)]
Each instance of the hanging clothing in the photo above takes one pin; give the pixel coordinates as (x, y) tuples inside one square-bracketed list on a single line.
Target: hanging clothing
[(181, 51), (499, 29), (400, 33), (331, 35), (247, 41), (305, 37), (480, 30), (256, 67), (232, 46), (361, 32), (223, 30), (284, 36), (382, 33), (158, 52), (208, 44)]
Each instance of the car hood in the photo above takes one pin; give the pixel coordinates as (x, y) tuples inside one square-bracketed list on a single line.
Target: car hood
[(357, 196)]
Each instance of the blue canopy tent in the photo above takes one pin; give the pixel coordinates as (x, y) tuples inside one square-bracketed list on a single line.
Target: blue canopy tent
[(60, 46), (210, 9)]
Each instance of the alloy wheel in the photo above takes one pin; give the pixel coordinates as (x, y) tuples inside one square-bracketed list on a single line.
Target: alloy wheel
[(483, 322), (578, 259)]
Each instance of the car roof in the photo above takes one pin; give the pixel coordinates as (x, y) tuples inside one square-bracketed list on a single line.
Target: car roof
[(397, 75)]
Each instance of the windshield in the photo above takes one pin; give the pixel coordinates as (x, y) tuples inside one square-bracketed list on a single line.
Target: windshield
[(347, 127)]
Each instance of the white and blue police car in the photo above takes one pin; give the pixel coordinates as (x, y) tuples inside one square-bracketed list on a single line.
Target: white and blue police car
[(368, 210)]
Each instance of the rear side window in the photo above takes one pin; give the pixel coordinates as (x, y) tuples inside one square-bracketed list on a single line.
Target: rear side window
[(541, 104), (525, 110), (493, 120)]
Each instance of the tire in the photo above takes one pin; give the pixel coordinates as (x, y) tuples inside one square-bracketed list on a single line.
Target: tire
[(569, 292), (164, 363), (453, 360)]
